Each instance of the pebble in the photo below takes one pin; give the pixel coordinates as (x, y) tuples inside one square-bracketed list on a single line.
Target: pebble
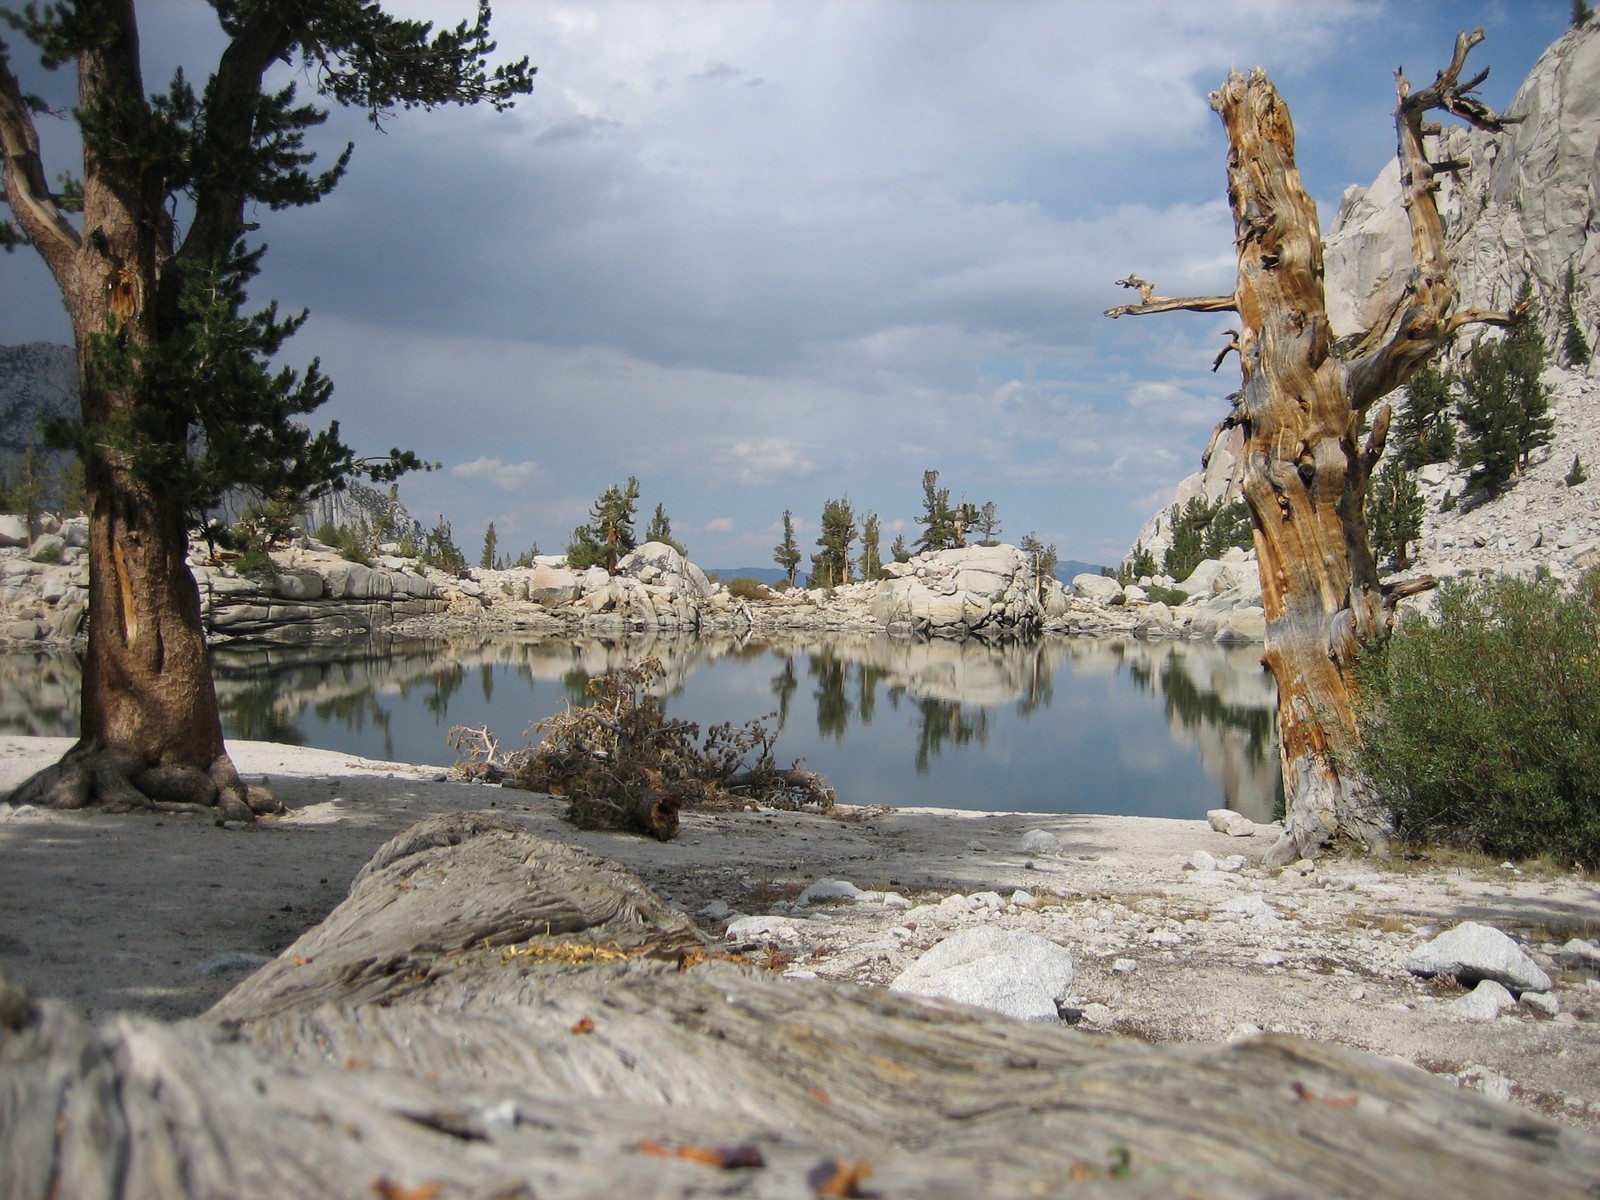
[(1125, 966)]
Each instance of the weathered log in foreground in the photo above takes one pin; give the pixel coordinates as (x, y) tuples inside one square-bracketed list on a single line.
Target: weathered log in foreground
[(490, 1014)]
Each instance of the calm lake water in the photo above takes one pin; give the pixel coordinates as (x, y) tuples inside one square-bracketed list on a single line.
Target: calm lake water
[(1063, 725)]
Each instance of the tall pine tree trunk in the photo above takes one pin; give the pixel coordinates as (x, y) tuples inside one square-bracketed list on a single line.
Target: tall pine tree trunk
[(151, 731)]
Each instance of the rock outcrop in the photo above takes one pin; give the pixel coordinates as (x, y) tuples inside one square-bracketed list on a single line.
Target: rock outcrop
[(981, 591)]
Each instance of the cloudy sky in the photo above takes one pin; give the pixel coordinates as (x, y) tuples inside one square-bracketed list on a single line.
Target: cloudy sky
[(764, 254)]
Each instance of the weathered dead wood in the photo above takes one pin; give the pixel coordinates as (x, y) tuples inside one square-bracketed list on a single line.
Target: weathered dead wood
[(1149, 302), (1302, 403), (489, 1014)]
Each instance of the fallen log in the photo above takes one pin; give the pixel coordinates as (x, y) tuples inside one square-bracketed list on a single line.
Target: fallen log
[(490, 1014)]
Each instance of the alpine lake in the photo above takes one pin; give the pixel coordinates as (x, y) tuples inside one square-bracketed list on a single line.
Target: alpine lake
[(1061, 725)]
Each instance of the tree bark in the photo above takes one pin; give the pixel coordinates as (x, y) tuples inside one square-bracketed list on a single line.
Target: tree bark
[(489, 1014), (1302, 408)]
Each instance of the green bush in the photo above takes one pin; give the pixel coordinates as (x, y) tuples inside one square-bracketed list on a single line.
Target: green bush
[(747, 588), (1479, 727), (1171, 597)]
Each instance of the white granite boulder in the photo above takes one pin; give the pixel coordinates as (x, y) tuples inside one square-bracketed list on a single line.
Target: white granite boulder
[(1473, 952), (1018, 974), (1097, 587), (1484, 1002), (13, 530)]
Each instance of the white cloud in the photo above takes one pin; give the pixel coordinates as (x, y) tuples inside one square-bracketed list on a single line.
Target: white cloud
[(509, 476), (720, 525), (768, 459)]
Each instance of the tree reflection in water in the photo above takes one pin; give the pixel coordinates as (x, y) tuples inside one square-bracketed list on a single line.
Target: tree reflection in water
[(1033, 726)]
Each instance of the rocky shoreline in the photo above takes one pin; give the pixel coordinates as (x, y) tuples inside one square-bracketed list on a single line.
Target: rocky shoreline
[(991, 593)]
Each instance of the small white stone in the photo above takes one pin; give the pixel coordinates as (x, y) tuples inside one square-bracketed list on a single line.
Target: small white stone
[(1484, 1002), (1244, 1031), (1097, 1014), (1544, 1002), (1124, 966)]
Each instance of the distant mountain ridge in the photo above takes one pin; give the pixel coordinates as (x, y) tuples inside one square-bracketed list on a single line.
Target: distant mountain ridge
[(37, 380)]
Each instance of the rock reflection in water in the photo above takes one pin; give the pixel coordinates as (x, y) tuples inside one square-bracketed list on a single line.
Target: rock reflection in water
[(1056, 725)]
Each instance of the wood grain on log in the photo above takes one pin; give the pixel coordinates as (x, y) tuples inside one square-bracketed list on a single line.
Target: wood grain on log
[(489, 1014)]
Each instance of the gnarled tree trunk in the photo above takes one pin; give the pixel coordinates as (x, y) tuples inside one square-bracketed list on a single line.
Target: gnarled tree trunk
[(1302, 406)]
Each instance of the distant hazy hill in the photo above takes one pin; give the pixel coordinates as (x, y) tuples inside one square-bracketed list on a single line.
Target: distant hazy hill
[(1066, 570), (764, 574), (36, 380)]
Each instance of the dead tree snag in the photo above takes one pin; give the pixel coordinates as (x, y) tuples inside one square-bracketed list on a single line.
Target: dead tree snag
[(1302, 405)]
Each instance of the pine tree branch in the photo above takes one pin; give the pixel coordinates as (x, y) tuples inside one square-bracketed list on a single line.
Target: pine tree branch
[(231, 105)]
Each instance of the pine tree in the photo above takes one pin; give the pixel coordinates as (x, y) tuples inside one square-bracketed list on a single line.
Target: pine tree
[(1394, 512), (1228, 527), (1581, 13), (660, 530), (937, 519), (180, 398), (1141, 564), (830, 566), (74, 497), (440, 549), (899, 549), (491, 546), (988, 524), (1044, 560), (1423, 431), (609, 534), (787, 552), (871, 556), (1505, 409), (29, 488), (1574, 345), (1188, 548)]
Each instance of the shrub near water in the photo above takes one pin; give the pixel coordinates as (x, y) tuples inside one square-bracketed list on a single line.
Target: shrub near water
[(1482, 727)]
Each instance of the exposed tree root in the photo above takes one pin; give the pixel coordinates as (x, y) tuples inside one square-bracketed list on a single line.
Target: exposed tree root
[(118, 780)]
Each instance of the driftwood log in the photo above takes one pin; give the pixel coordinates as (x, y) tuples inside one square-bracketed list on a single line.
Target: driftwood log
[(492, 1015)]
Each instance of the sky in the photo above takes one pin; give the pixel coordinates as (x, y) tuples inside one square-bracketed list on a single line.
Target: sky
[(764, 254)]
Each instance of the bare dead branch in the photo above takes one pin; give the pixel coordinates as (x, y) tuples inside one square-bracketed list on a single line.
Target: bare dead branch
[(1377, 439), (1232, 347), (1147, 289), (1482, 316), (1175, 304), (1149, 302), (1421, 318)]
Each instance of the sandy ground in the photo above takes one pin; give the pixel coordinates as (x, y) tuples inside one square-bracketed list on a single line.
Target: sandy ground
[(163, 914)]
